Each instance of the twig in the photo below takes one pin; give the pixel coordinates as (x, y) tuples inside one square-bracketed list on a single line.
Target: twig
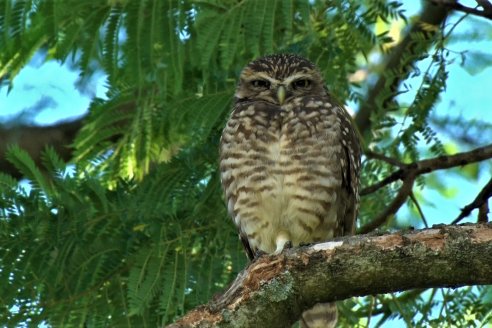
[(393, 207), (419, 209), (389, 160), (398, 175), (482, 198)]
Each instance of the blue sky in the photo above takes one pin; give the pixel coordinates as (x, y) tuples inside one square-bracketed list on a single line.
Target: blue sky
[(46, 92)]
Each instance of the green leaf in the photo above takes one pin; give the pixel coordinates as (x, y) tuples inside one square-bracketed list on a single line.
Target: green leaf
[(25, 164), (471, 171)]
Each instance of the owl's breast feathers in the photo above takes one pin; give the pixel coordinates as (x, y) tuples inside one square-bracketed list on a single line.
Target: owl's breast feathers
[(289, 173)]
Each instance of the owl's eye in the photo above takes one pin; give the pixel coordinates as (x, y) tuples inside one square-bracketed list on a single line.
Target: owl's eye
[(301, 84), (260, 84)]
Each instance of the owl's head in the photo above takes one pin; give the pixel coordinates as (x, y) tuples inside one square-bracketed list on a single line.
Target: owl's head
[(279, 79)]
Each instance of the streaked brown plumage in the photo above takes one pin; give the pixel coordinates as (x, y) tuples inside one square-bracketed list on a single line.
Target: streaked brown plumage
[(289, 161)]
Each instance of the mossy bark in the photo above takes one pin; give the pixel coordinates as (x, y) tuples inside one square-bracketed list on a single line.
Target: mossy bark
[(274, 290)]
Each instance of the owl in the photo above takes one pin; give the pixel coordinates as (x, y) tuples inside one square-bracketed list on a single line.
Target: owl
[(289, 162)]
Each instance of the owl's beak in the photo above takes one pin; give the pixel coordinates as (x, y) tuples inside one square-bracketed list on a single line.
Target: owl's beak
[(281, 94)]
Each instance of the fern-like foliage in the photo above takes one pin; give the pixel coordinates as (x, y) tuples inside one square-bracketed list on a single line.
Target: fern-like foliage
[(78, 245)]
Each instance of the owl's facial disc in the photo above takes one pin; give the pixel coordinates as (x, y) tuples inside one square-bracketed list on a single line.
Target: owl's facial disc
[(279, 87), (260, 86)]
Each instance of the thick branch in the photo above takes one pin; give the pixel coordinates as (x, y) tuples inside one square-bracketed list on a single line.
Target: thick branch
[(446, 162), (34, 139), (274, 290), (432, 164), (486, 6)]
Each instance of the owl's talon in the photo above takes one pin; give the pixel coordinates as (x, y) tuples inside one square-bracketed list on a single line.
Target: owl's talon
[(258, 254), (287, 245)]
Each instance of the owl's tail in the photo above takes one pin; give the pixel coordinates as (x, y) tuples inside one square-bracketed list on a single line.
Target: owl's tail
[(322, 315)]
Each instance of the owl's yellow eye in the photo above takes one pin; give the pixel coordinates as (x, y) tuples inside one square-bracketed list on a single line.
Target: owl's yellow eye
[(304, 83), (260, 84)]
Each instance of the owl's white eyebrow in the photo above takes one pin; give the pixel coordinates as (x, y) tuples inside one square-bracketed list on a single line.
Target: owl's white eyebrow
[(263, 76), (287, 81), (297, 76)]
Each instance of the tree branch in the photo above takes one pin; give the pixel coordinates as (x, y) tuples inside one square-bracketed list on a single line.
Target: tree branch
[(34, 139), (483, 212), (486, 12), (446, 162), (481, 199), (430, 165), (432, 15), (393, 207), (384, 158), (274, 290), (409, 172), (419, 209), (395, 176)]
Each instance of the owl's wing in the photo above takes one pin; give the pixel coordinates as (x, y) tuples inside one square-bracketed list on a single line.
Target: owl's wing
[(350, 172), (235, 126), (348, 212)]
